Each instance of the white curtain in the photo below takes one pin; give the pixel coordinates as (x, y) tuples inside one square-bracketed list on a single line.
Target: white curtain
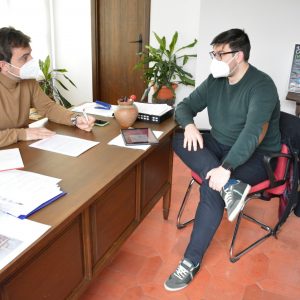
[(32, 18)]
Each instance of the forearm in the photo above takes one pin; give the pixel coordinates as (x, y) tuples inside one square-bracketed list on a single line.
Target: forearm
[(11, 136)]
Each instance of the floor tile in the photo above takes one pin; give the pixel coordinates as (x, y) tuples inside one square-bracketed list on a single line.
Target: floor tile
[(271, 271)]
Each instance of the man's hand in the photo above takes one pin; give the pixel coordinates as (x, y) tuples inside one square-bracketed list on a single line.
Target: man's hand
[(38, 133), (83, 124), (192, 138), (218, 177)]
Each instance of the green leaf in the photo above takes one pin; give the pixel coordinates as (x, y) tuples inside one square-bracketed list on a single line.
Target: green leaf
[(188, 46), (173, 42), (61, 84), (63, 100)]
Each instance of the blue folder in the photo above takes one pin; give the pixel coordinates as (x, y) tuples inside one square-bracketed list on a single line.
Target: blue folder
[(42, 205)]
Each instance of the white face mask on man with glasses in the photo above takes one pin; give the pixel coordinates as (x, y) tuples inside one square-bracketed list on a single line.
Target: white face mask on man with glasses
[(219, 68)]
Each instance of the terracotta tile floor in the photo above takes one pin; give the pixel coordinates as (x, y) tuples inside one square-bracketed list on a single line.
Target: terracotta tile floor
[(269, 272)]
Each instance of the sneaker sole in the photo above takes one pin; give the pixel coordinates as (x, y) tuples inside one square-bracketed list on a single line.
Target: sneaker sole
[(241, 204), (174, 289)]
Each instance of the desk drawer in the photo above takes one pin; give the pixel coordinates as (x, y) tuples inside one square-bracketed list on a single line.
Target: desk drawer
[(112, 214), (53, 274), (155, 174)]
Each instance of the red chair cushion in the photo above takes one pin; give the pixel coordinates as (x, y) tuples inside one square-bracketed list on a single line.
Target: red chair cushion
[(278, 173)]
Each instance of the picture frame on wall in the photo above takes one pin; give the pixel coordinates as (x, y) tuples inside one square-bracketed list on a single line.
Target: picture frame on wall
[(294, 82)]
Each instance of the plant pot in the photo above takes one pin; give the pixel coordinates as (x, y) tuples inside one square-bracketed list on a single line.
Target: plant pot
[(126, 113), (165, 95)]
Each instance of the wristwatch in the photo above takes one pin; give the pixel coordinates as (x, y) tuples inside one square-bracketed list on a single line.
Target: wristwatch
[(227, 166), (74, 120)]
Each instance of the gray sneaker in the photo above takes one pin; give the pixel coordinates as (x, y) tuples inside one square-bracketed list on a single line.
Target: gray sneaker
[(183, 275), (234, 194)]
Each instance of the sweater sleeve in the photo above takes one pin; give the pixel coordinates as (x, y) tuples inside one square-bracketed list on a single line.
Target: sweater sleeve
[(46, 107), (263, 101), (188, 108), (11, 136)]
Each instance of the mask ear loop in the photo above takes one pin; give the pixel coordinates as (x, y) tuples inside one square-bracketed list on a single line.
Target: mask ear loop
[(236, 64), (17, 76)]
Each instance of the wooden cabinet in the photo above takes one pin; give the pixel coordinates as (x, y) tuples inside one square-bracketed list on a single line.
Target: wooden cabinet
[(52, 273)]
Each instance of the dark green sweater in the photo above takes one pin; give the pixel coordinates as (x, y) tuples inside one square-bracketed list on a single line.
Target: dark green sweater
[(237, 113)]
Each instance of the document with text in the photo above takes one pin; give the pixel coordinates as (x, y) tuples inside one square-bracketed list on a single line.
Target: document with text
[(16, 235), (64, 144)]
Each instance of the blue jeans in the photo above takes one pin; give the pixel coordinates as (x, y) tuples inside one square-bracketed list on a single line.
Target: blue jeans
[(210, 209)]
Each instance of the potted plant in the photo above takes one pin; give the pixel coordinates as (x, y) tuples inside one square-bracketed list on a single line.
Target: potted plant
[(164, 67), (51, 78)]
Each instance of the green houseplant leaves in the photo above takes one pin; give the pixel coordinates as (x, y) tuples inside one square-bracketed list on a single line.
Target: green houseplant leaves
[(51, 79), (164, 65)]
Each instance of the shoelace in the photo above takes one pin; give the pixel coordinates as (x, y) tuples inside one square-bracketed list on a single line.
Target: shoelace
[(181, 272), (228, 196)]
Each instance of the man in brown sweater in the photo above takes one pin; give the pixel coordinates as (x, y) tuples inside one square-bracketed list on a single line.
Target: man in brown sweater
[(19, 91)]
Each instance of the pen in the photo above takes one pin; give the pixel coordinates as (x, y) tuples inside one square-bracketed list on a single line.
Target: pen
[(85, 115)]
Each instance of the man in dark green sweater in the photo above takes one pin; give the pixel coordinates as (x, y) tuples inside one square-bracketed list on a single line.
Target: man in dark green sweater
[(243, 108)]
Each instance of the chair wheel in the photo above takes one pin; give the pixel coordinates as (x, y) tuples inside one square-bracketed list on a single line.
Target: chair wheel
[(234, 259)]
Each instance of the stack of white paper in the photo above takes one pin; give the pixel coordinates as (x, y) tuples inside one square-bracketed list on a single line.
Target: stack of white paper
[(153, 109), (22, 192), (90, 108)]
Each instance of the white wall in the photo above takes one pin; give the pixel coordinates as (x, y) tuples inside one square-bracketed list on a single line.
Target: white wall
[(272, 29), (22, 16), (72, 31), (168, 16)]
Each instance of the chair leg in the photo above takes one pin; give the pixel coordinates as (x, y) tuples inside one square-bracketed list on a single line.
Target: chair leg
[(184, 201), (235, 257)]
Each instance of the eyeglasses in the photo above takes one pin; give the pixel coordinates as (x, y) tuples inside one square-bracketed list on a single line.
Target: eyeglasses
[(218, 55)]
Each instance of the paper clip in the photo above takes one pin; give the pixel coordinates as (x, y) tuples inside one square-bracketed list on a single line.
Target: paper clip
[(102, 105)]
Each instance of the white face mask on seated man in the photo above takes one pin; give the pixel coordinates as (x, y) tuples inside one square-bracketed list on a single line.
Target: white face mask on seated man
[(219, 68), (30, 70)]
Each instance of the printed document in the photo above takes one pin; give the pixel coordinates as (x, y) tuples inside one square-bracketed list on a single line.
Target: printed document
[(23, 192), (64, 144), (153, 109), (16, 235), (10, 159)]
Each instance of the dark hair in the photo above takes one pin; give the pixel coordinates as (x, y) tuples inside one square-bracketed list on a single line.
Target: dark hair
[(11, 38), (237, 40)]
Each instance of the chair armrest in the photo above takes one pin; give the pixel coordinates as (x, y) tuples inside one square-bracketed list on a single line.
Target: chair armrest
[(270, 171)]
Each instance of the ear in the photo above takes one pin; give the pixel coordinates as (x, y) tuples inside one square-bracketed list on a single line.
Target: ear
[(240, 57), (3, 64)]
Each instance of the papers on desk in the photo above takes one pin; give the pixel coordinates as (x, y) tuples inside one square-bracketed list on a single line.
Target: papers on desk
[(38, 124), (16, 235), (64, 144), (118, 141), (22, 193), (143, 108), (10, 159), (90, 109), (153, 109)]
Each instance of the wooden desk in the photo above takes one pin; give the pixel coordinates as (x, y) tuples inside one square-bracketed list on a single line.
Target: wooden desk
[(110, 190)]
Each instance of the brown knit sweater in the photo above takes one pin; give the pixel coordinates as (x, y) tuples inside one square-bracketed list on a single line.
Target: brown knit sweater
[(16, 99)]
